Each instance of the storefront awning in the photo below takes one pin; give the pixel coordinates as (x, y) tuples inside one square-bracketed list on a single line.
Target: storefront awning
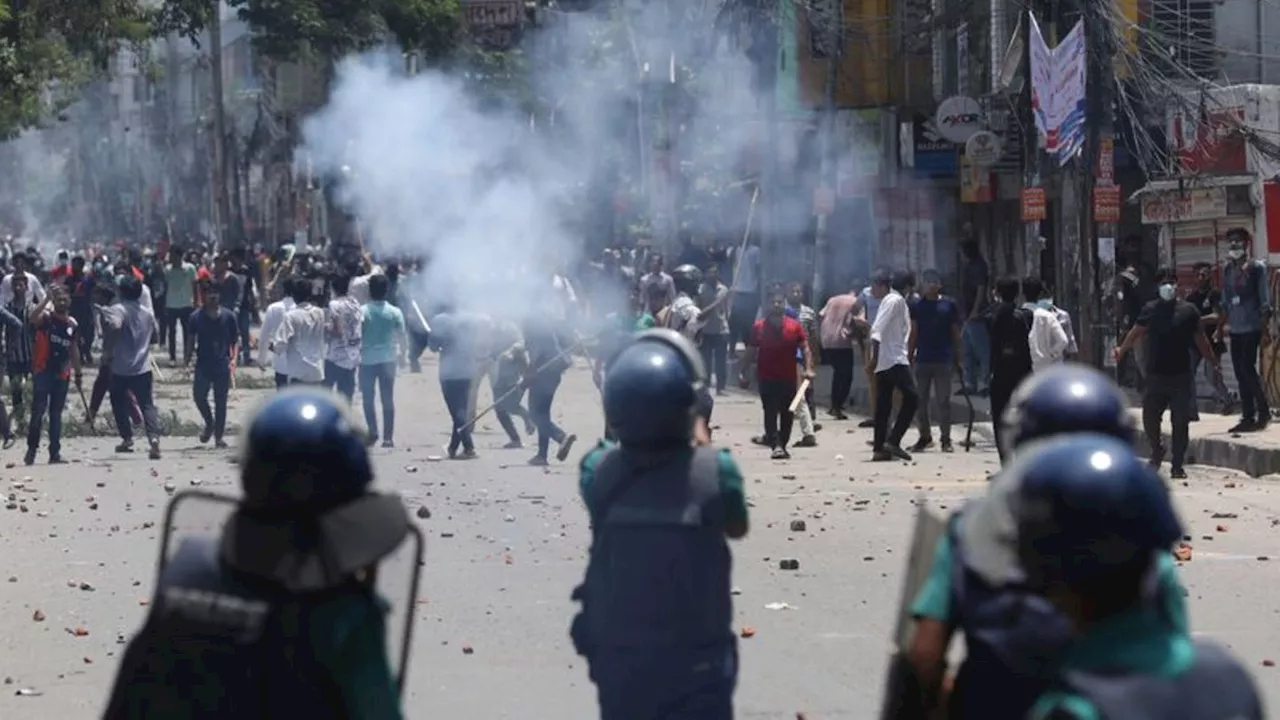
[(1192, 183)]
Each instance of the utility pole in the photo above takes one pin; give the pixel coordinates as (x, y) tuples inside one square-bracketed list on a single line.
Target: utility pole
[(228, 235), (1099, 121), (1030, 149), (827, 167)]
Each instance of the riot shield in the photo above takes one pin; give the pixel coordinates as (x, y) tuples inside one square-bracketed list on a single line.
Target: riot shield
[(902, 696), (199, 512)]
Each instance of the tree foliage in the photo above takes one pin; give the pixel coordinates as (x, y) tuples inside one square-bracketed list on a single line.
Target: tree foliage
[(48, 48), (328, 29)]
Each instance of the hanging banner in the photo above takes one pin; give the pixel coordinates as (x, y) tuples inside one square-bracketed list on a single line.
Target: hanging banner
[(1058, 91)]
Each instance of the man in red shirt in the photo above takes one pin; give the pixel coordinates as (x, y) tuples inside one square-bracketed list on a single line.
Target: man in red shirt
[(776, 341)]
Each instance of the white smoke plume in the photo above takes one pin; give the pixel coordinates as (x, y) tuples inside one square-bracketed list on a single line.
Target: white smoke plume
[(496, 197)]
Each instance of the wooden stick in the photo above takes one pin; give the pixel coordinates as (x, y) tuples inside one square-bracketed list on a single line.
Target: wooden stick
[(799, 398)]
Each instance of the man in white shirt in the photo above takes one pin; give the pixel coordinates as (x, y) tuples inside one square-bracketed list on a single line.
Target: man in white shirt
[(656, 277), (1047, 340), (271, 321), (302, 338), (34, 289), (889, 335), (344, 319)]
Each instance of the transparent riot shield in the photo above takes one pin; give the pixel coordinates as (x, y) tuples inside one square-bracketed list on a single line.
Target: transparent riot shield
[(203, 513)]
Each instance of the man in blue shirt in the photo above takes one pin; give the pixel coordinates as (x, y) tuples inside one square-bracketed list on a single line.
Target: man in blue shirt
[(934, 346), (1247, 301), (382, 333), (216, 332)]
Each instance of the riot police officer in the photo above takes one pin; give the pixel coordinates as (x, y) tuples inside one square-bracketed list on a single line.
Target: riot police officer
[(278, 617), (656, 620), (1008, 663), (1092, 522)]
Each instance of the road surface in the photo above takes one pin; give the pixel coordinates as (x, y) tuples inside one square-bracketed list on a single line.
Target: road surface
[(506, 545)]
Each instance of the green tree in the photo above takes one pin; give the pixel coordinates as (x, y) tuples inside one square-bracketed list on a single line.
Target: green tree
[(329, 29), (49, 48)]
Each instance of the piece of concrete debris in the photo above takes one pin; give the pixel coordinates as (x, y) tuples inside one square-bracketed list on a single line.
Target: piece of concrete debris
[(797, 526), (1182, 553), (423, 513), (747, 631), (779, 606), (788, 564)]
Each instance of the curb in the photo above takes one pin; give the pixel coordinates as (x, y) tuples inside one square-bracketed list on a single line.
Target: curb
[(1228, 452)]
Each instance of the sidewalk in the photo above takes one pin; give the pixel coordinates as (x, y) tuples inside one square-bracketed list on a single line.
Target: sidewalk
[(1256, 454)]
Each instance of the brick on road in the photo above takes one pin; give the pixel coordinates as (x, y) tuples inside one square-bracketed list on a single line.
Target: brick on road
[(507, 543)]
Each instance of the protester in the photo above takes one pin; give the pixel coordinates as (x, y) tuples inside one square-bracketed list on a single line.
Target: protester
[(131, 364), (935, 348), (837, 348), (505, 383), (17, 344), (215, 332), (869, 307), (301, 337), (889, 336), (713, 342), (55, 358), (975, 291), (345, 322), (180, 303), (549, 345), (747, 284), (271, 321), (771, 354), (1208, 300), (656, 277), (1047, 340), (382, 332), (1171, 328), (1009, 328), (80, 285), (1247, 298)]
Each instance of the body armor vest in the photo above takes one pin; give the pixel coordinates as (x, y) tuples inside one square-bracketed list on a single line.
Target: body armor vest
[(1012, 642), (1216, 687), (216, 647), (659, 572)]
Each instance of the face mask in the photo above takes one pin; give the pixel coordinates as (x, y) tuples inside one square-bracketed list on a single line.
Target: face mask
[(1166, 292), (1235, 254), (1045, 304)]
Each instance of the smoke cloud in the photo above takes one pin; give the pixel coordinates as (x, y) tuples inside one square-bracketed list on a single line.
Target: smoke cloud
[(497, 195)]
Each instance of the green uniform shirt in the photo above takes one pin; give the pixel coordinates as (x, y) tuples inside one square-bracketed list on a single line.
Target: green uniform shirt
[(731, 483), (644, 322), (1139, 640), (934, 599), (353, 643)]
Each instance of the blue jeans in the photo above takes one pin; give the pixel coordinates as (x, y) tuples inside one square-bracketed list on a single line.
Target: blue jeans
[(457, 396), (245, 321), (49, 393), (140, 386), (542, 392), (336, 376), (219, 381), (382, 377), (715, 349), (977, 355)]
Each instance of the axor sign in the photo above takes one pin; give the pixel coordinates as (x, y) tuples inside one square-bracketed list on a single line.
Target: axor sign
[(958, 118)]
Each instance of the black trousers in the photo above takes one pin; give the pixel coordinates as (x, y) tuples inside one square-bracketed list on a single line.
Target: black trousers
[(775, 397), (900, 378), (1003, 383), (841, 362), (1171, 392), (1244, 361)]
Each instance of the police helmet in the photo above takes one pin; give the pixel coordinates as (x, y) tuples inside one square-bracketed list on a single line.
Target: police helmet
[(687, 278), (652, 388), (307, 520), (1086, 506), (1065, 398)]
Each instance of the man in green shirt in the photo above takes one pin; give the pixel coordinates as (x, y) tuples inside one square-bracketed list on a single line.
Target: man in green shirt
[(180, 303), (657, 612)]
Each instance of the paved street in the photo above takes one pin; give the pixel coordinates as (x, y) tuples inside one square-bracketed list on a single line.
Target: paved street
[(506, 545)]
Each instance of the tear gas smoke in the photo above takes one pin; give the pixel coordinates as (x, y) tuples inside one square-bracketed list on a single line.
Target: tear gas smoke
[(495, 196)]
